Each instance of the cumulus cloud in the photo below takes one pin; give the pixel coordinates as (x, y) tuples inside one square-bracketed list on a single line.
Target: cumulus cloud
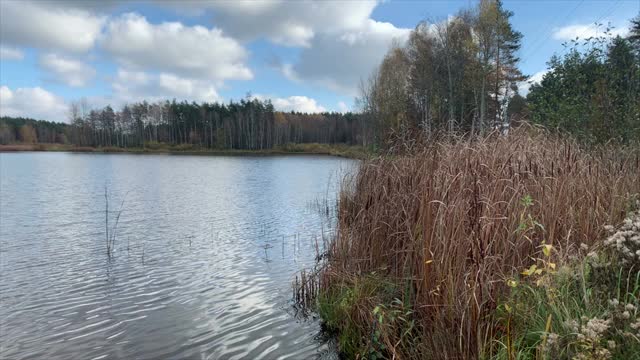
[(67, 71), (524, 86), (340, 61), (188, 51), (293, 103), (342, 107), (341, 43), (289, 23), (584, 31), (30, 23), (299, 104), (32, 102), (131, 86), (9, 53)]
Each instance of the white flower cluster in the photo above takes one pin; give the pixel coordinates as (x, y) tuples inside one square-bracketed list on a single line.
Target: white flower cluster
[(591, 334), (621, 310), (594, 329), (635, 326), (626, 241), (626, 314)]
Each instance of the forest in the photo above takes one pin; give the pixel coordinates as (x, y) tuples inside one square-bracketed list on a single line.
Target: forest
[(245, 125)]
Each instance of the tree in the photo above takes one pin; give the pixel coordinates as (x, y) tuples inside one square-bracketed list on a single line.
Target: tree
[(454, 76), (422, 74), (28, 134), (7, 134), (634, 34), (592, 91)]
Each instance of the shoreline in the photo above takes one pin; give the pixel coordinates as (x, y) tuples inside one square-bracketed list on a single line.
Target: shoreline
[(346, 151)]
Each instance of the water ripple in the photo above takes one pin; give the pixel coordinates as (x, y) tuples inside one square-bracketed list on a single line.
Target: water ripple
[(205, 252)]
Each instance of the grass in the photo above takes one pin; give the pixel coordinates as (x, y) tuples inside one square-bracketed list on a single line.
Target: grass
[(349, 151), (450, 224), (562, 311), (588, 309), (343, 150)]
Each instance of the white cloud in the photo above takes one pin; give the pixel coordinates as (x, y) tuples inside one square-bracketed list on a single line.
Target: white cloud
[(340, 61), (523, 86), (32, 102), (299, 104), (188, 88), (584, 31), (68, 71), (293, 103), (188, 51), (342, 107), (9, 53), (289, 23), (30, 23), (129, 86), (341, 43)]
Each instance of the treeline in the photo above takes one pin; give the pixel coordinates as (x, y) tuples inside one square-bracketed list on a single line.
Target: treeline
[(593, 90), (250, 124), (461, 76), (30, 131)]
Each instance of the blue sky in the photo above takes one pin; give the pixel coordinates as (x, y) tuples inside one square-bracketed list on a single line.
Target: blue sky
[(306, 56)]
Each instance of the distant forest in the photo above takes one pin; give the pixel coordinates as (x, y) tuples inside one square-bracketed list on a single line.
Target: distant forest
[(250, 124)]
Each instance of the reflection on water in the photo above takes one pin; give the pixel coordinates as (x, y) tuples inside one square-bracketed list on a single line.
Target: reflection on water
[(205, 253)]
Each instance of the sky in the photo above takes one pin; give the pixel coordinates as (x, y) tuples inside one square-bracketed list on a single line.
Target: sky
[(305, 56)]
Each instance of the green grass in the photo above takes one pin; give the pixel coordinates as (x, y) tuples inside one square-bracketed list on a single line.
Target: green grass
[(369, 317), (550, 316), (347, 307)]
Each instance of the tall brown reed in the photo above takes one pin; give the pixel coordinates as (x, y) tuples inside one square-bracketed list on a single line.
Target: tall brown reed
[(442, 223)]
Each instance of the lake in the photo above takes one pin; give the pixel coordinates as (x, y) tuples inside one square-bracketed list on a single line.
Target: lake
[(206, 249)]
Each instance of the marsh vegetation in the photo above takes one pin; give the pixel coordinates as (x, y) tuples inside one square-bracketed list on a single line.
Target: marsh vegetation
[(477, 249)]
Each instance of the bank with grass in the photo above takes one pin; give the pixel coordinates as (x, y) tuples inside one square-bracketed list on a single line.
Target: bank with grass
[(342, 150), (486, 249)]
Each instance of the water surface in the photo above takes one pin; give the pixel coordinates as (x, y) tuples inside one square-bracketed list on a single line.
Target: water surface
[(206, 249)]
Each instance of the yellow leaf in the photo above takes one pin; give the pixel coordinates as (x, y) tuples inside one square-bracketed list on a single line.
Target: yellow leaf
[(428, 261), (547, 328), (530, 271), (552, 265), (512, 283), (546, 249), (507, 307)]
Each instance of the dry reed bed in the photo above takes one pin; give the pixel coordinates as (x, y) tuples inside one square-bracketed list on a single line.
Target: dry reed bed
[(442, 224)]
